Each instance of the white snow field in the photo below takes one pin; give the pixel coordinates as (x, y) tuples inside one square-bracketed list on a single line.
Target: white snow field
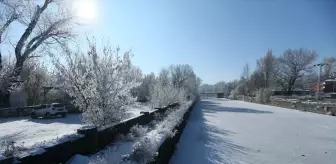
[(32, 131), (236, 132)]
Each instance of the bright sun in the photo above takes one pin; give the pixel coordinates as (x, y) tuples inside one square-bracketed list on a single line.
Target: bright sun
[(86, 10)]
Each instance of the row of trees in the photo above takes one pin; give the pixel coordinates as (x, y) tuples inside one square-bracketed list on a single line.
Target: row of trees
[(293, 70), (100, 81)]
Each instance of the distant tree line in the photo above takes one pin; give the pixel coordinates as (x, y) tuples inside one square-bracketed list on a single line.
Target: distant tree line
[(292, 70)]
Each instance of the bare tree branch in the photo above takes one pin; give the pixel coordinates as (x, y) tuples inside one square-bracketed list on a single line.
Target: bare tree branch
[(6, 25), (31, 26)]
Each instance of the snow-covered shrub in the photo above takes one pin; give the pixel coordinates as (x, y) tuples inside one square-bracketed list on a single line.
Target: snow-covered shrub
[(98, 82), (144, 88), (142, 149), (145, 149), (233, 94), (330, 110), (158, 116), (297, 105), (263, 95), (177, 83), (260, 95), (163, 95), (9, 147), (138, 131), (267, 95)]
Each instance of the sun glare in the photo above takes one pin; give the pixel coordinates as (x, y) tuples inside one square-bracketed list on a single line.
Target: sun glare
[(86, 10)]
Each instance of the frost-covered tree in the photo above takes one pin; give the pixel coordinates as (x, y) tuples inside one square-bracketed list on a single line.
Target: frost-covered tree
[(292, 65), (234, 93), (176, 84), (39, 25), (163, 95), (329, 68), (257, 80), (144, 88), (5, 84), (265, 66), (35, 76), (163, 77), (183, 76), (134, 74), (96, 80), (246, 80), (220, 87), (207, 88), (263, 95), (180, 74)]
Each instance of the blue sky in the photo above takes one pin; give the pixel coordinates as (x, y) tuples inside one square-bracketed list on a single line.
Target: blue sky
[(216, 37)]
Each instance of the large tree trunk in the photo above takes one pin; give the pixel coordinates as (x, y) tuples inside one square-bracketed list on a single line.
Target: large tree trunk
[(18, 68)]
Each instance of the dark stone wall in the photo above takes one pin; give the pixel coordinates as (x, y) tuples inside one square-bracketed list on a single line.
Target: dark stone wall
[(59, 153)]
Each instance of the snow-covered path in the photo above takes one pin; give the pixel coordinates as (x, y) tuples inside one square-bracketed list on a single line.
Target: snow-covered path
[(235, 132)]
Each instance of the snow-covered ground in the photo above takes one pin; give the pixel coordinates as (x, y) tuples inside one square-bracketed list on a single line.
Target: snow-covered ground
[(236, 132), (31, 131), (135, 109), (34, 133)]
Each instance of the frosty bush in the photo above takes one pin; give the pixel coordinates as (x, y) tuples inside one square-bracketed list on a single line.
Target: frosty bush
[(9, 148), (158, 117), (98, 82), (233, 94), (143, 150), (145, 147), (138, 131), (163, 95), (174, 84), (263, 95), (267, 95)]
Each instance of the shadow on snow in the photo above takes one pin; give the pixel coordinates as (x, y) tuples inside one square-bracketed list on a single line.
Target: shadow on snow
[(203, 143), (213, 107)]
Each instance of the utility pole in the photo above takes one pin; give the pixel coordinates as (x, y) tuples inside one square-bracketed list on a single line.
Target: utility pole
[(333, 82), (320, 65)]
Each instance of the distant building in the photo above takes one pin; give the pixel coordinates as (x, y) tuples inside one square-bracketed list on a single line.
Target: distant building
[(329, 86), (220, 95), (208, 95)]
